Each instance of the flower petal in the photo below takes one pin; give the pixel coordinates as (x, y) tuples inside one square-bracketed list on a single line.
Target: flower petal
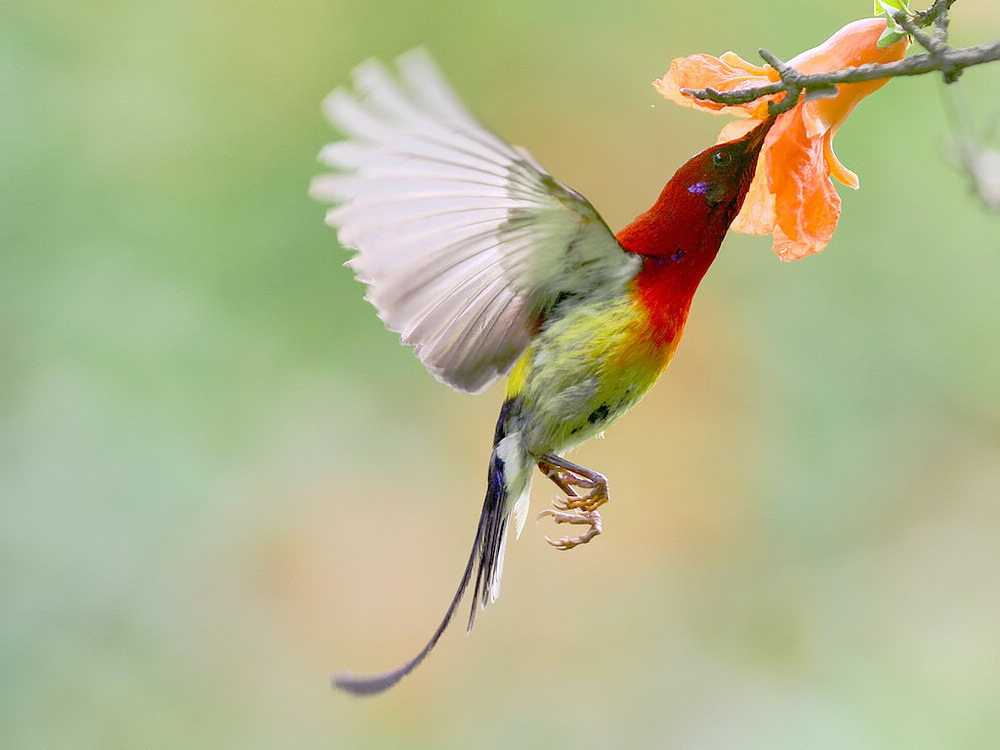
[(737, 129), (792, 195), (807, 206), (757, 215), (728, 73), (837, 169), (854, 44)]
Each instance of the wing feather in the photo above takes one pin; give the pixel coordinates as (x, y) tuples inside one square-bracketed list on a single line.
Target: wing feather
[(464, 240)]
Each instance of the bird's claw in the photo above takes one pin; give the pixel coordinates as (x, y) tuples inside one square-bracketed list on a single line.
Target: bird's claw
[(589, 518), (574, 508), (593, 500)]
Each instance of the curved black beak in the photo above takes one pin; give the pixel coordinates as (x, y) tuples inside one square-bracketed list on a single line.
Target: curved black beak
[(755, 138)]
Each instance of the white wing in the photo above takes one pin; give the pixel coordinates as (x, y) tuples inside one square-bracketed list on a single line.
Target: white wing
[(464, 240)]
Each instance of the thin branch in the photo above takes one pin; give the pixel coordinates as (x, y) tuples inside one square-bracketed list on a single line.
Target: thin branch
[(980, 162), (936, 44), (940, 57), (940, 34), (793, 82), (936, 14)]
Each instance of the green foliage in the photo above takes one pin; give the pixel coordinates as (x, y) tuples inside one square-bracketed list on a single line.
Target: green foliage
[(894, 32)]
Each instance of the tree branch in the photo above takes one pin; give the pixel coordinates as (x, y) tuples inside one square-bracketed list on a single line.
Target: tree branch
[(794, 83), (940, 57)]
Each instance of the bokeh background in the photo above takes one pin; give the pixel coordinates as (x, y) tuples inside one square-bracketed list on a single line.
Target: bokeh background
[(222, 480)]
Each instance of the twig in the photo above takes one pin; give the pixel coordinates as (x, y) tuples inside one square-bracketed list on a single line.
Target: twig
[(936, 44), (936, 14), (794, 82), (940, 57)]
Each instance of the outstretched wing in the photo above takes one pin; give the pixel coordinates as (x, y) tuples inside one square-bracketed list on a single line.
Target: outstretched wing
[(464, 240)]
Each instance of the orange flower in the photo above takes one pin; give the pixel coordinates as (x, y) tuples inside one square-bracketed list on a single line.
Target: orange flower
[(792, 195)]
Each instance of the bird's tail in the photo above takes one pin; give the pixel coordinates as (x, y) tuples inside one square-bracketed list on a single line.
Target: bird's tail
[(507, 485)]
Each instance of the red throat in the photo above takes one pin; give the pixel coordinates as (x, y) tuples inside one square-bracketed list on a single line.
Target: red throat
[(676, 254), (679, 237), (665, 298)]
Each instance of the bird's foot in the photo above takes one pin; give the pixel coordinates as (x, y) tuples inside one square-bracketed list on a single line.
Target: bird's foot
[(588, 503), (575, 508), (568, 476), (589, 518)]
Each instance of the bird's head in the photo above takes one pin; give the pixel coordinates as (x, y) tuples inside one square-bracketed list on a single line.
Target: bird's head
[(701, 200), (714, 183)]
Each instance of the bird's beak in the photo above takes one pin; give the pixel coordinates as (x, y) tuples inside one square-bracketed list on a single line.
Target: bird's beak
[(755, 138)]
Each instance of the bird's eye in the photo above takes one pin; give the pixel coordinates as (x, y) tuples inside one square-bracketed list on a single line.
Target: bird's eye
[(722, 158)]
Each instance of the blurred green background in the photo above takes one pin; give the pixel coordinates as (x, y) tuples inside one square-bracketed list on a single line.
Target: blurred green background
[(222, 480)]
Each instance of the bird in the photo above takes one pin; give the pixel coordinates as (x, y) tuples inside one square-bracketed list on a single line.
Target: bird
[(490, 267)]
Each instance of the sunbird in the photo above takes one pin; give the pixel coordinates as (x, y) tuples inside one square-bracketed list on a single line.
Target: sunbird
[(489, 266)]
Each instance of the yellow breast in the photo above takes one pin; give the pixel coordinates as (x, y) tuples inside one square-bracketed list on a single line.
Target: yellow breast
[(582, 372)]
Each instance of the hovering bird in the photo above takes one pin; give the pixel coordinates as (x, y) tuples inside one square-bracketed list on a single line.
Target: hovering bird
[(488, 266)]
